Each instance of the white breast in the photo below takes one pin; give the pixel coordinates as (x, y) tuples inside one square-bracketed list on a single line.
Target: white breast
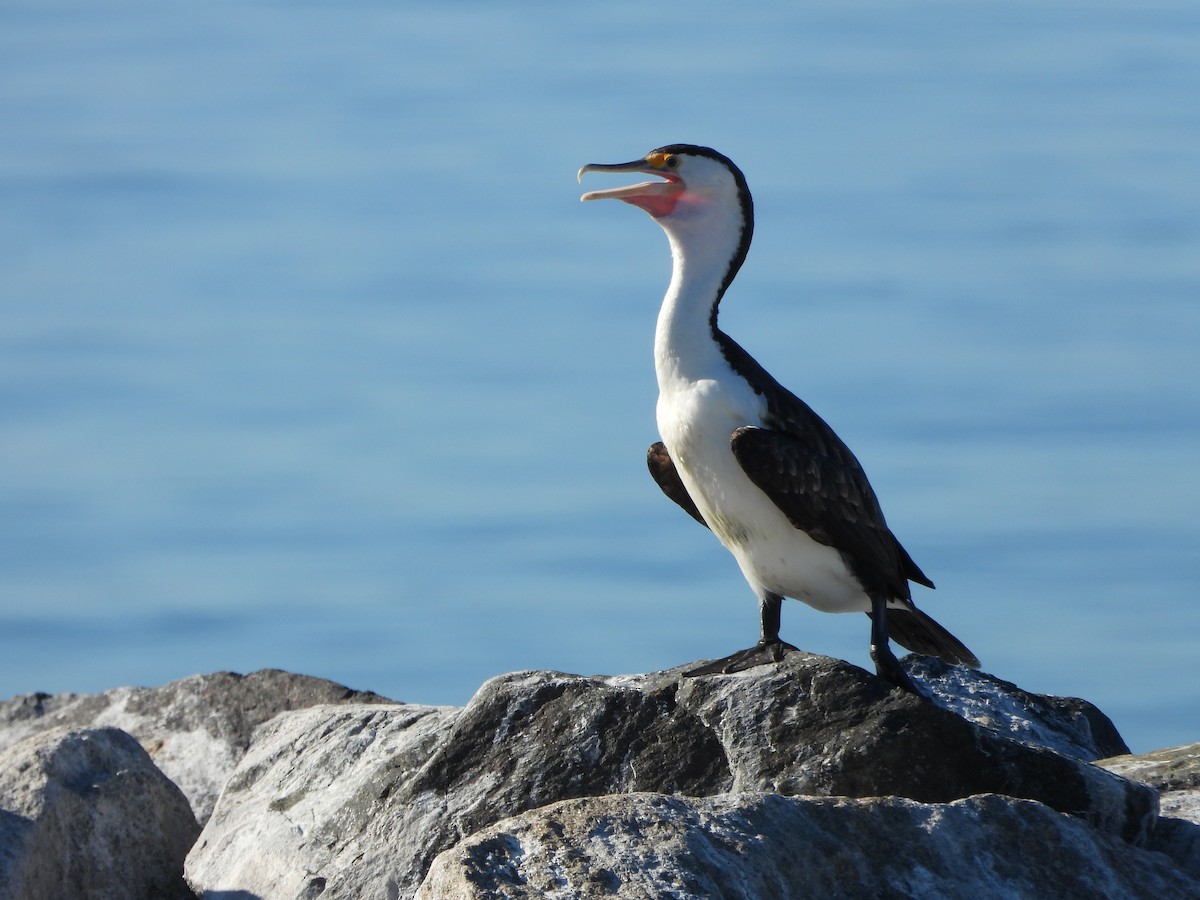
[(696, 420)]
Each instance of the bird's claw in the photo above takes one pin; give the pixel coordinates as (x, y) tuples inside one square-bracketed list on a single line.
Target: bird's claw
[(761, 654)]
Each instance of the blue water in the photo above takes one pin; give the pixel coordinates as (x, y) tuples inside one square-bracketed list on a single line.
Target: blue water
[(310, 357)]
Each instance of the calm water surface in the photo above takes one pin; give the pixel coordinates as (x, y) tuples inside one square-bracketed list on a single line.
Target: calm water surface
[(310, 357)]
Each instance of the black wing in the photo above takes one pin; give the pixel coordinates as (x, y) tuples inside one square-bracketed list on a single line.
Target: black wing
[(811, 475), (817, 483), (662, 467)]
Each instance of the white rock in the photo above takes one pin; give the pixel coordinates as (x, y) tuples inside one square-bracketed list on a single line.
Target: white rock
[(308, 805), (759, 846), (86, 814), (195, 729)]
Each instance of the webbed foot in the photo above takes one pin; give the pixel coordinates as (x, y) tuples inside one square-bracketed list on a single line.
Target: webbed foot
[(761, 654)]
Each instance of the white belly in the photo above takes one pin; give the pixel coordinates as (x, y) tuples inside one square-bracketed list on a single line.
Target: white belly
[(696, 420)]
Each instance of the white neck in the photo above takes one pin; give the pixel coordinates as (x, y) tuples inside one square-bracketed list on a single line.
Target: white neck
[(703, 242)]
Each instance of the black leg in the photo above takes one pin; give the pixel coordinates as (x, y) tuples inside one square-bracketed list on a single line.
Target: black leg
[(769, 609), (769, 649), (886, 664)]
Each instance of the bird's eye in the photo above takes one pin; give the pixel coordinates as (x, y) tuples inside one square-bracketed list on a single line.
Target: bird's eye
[(672, 162)]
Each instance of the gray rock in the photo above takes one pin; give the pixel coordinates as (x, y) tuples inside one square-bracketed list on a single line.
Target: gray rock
[(356, 801), (1066, 725), (195, 729), (759, 846), (814, 725), (86, 814), (364, 797), (1175, 773), (1169, 770)]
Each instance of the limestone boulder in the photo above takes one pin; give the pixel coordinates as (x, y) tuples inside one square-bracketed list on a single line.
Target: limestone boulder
[(758, 846), (87, 815), (356, 801), (196, 729)]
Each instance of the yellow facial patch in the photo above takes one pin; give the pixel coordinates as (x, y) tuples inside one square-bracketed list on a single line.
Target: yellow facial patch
[(658, 160)]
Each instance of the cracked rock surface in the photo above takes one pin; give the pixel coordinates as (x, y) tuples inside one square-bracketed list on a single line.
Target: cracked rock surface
[(358, 800), (196, 729), (757, 846), (810, 777)]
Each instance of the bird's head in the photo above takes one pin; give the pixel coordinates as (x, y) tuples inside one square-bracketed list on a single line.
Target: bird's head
[(699, 197), (692, 182)]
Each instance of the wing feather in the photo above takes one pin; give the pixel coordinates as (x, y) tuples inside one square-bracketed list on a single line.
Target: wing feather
[(818, 484), (662, 468)]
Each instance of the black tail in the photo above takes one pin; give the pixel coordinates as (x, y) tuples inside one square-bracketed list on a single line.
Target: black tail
[(913, 629)]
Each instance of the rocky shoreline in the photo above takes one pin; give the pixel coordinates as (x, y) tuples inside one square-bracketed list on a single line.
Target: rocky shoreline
[(807, 779)]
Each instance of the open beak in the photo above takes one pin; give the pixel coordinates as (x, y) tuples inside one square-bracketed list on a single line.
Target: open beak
[(656, 197)]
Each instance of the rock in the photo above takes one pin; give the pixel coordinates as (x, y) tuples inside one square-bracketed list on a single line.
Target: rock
[(1173, 770), (1175, 773), (86, 814), (814, 725), (358, 800), (754, 846), (638, 778), (327, 817), (195, 729), (366, 796), (1066, 725)]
